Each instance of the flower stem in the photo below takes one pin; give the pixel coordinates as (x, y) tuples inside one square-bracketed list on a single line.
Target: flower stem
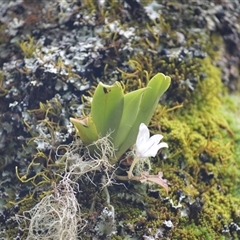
[(129, 172)]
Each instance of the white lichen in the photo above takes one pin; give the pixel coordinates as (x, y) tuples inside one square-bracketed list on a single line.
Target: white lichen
[(56, 216)]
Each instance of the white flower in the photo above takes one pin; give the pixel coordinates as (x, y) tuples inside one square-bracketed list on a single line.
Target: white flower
[(147, 146)]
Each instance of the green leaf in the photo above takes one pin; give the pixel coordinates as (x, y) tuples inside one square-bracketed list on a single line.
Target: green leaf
[(107, 107), (154, 90), (131, 106), (85, 129)]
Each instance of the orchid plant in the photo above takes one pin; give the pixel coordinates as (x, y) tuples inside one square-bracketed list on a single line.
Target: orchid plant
[(123, 117)]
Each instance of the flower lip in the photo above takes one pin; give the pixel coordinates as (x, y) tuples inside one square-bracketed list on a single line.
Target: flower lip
[(147, 146)]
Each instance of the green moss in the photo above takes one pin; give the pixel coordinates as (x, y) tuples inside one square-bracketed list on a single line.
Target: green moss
[(28, 47), (231, 111), (202, 160)]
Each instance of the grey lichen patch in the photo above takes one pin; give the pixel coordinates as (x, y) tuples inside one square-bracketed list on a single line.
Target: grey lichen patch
[(106, 224)]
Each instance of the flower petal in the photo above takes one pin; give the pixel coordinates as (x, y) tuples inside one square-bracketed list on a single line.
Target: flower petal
[(151, 146), (156, 138), (152, 152), (154, 149), (163, 145), (147, 146), (143, 134), (142, 138)]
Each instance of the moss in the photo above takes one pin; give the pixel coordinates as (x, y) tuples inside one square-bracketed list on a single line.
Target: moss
[(201, 162), (230, 111), (202, 154), (28, 47), (3, 37)]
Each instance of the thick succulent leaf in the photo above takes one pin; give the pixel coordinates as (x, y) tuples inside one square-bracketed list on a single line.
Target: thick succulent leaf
[(85, 129), (154, 90), (131, 106), (107, 107)]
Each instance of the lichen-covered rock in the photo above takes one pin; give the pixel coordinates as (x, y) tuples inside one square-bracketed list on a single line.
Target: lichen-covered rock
[(54, 52)]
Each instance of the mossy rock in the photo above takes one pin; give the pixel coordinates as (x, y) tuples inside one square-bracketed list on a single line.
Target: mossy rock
[(71, 46)]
